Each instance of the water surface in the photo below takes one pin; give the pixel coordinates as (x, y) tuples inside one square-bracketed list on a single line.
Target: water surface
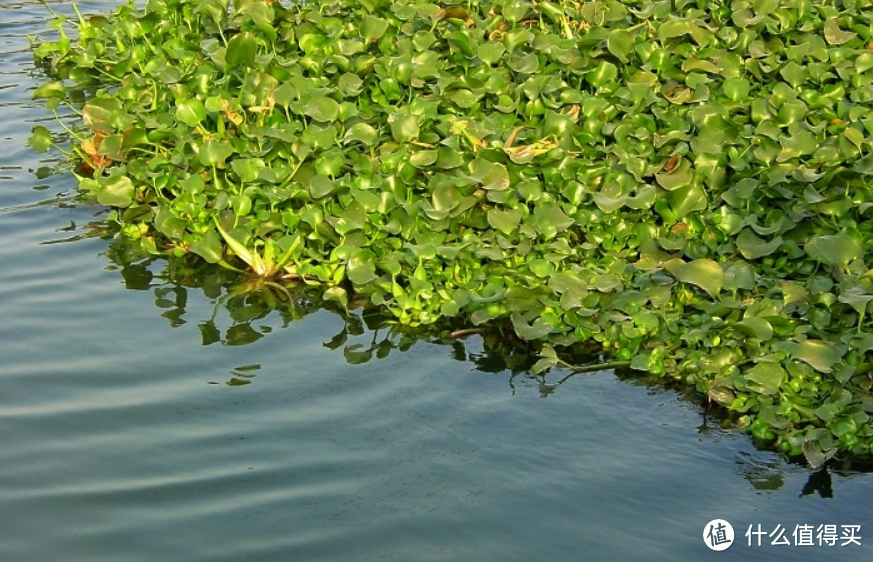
[(124, 438)]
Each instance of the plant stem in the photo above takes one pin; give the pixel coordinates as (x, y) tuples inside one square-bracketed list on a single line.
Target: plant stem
[(599, 366)]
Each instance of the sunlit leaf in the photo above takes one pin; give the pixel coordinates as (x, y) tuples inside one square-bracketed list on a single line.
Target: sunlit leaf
[(836, 249), (213, 153), (765, 377), (241, 50), (322, 109), (116, 191), (40, 139), (704, 273), (191, 112), (208, 247), (819, 354)]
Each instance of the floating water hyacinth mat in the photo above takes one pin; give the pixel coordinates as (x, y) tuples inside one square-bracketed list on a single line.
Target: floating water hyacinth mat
[(685, 183)]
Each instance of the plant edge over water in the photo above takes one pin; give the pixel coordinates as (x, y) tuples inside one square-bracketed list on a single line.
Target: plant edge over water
[(686, 184)]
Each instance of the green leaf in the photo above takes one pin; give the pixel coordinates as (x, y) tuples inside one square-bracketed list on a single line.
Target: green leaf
[(235, 245), (491, 53), (855, 298), (819, 354), (322, 109), (542, 365), (101, 114), (248, 168), (679, 177), (686, 200), (497, 178), (116, 191), (834, 35), (794, 74), (756, 327), (191, 112), (864, 165), (320, 186), (373, 28), (836, 249), (737, 89), (361, 267), (765, 377), (526, 331), (603, 73), (826, 412), (111, 147), (675, 28), (208, 247), (50, 90), (620, 43), (504, 221), (753, 247), (704, 273), (404, 128), (843, 426), (241, 50), (213, 153), (40, 139), (338, 295), (423, 158), (362, 133)]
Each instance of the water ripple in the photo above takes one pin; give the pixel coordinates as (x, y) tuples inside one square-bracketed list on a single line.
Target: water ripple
[(118, 445)]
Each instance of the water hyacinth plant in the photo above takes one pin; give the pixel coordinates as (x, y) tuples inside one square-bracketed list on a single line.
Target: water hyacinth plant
[(685, 183)]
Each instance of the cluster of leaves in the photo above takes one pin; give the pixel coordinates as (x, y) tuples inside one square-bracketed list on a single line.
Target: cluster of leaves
[(683, 182)]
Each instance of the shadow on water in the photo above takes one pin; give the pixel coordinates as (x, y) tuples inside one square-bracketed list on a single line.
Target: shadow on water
[(239, 303)]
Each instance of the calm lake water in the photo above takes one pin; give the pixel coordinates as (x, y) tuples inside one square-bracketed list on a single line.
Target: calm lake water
[(124, 438)]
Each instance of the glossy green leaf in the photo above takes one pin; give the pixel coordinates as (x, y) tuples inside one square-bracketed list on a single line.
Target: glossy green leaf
[(497, 178), (527, 332), (753, 247), (191, 112), (362, 133), (681, 176), (49, 90), (819, 354), (834, 35), (836, 249), (208, 247), (213, 153), (620, 43), (337, 295), (320, 186), (322, 109), (756, 327), (373, 27), (40, 139), (505, 221), (604, 73), (241, 50), (404, 128), (362, 267), (116, 191), (704, 273), (102, 114), (765, 377)]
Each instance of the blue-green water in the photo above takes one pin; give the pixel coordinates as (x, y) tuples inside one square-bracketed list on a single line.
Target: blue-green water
[(124, 438)]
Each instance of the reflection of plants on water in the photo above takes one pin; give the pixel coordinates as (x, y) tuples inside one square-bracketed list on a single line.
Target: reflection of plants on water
[(247, 300), (766, 472), (366, 334)]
